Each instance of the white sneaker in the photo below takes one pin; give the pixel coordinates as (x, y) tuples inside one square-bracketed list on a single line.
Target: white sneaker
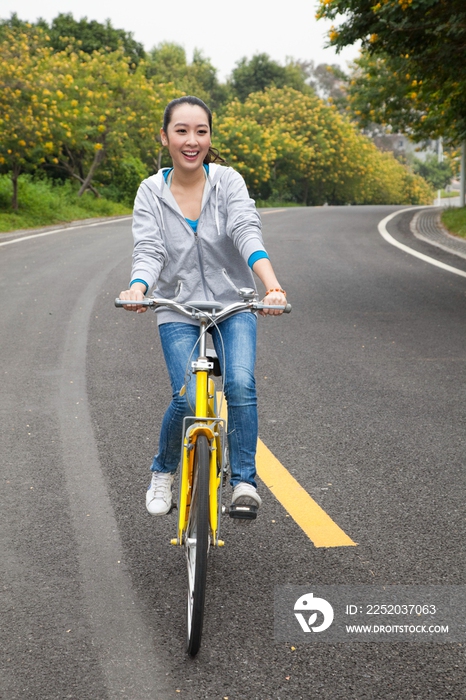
[(159, 493), (246, 495)]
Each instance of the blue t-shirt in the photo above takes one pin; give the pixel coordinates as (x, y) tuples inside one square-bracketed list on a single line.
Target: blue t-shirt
[(193, 223)]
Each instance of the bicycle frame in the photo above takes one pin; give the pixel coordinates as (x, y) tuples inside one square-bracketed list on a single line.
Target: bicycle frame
[(205, 422)]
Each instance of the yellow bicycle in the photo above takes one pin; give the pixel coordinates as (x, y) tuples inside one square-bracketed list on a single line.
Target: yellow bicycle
[(204, 455)]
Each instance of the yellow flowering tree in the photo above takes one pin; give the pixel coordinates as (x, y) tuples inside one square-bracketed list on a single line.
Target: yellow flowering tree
[(71, 110), (93, 116), (28, 116), (245, 145), (292, 146), (107, 111)]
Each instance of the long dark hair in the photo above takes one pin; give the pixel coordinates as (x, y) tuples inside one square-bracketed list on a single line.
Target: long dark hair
[(213, 156)]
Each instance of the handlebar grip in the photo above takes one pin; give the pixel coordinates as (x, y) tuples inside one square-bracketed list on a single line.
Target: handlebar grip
[(119, 303), (260, 305)]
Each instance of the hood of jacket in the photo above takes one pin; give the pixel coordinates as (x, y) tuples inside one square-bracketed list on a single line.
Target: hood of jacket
[(156, 183)]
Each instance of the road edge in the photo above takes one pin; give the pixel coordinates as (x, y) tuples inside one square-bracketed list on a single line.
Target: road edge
[(382, 228), (27, 234)]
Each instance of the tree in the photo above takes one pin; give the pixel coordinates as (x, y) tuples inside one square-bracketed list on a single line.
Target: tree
[(328, 81), (94, 36), (202, 73), (29, 108), (107, 112), (167, 63), (294, 147), (438, 174), (87, 35), (381, 92), (431, 33), (15, 24), (73, 111), (261, 72), (419, 39), (246, 145)]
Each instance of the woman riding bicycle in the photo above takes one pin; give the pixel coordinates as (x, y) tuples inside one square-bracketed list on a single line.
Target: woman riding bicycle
[(197, 236)]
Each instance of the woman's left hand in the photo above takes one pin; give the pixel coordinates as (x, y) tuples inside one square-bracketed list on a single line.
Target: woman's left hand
[(274, 297)]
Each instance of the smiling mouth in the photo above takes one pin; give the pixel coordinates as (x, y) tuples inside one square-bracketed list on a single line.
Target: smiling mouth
[(190, 154)]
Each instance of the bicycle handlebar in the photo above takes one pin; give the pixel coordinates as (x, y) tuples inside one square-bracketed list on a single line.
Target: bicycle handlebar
[(195, 310)]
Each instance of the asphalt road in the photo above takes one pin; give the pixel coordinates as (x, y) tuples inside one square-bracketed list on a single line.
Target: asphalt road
[(361, 395)]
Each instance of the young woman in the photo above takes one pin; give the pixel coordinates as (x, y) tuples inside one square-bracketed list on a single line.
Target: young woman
[(197, 236)]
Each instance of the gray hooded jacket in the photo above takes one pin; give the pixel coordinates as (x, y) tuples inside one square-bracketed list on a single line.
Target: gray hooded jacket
[(188, 266)]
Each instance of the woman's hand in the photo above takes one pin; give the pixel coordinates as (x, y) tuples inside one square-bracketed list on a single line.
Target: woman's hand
[(273, 297), (136, 293)]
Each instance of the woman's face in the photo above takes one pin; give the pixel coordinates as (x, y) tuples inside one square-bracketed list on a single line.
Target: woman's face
[(187, 137)]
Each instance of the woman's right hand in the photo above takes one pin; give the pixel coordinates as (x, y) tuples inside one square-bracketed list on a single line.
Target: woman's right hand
[(136, 293)]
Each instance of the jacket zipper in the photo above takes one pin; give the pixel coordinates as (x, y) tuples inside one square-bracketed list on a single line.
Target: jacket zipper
[(201, 262), (199, 251)]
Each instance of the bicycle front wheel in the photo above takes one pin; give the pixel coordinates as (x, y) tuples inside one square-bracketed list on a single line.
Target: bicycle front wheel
[(197, 543)]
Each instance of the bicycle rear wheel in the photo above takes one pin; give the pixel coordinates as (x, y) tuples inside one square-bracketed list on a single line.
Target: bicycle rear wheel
[(197, 544)]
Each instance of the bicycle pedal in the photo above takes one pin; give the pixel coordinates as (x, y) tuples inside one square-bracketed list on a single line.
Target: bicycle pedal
[(239, 512)]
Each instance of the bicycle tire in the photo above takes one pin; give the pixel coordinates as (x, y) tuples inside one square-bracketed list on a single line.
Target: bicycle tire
[(197, 544)]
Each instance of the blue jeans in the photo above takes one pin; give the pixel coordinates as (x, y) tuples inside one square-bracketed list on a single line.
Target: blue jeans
[(239, 342)]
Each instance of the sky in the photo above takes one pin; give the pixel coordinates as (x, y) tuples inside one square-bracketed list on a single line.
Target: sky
[(224, 32)]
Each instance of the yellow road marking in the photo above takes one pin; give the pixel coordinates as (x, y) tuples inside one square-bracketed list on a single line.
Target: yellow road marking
[(311, 518)]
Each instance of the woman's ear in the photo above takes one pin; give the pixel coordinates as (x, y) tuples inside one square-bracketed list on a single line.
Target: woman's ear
[(163, 138)]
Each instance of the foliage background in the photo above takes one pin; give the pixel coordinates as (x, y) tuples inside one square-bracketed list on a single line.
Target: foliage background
[(421, 43), (81, 106)]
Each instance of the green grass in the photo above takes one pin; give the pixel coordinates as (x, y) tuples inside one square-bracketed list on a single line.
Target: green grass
[(454, 220), (448, 195), (42, 203)]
